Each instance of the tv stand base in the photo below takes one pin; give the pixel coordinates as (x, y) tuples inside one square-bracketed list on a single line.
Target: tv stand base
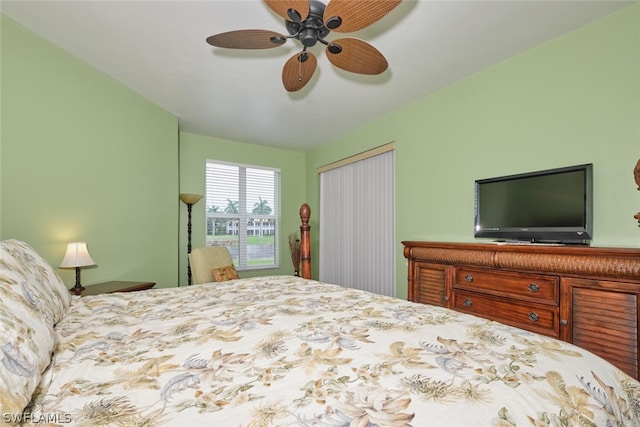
[(584, 295)]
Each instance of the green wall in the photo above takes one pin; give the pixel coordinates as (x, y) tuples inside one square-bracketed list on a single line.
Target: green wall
[(85, 158), (194, 152), (573, 100)]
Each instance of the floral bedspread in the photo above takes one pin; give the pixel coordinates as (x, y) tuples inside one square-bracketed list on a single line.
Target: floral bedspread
[(284, 351)]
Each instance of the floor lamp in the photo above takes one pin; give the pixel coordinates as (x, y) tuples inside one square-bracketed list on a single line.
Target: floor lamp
[(189, 200)]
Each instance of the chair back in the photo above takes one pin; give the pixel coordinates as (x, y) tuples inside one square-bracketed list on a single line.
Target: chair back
[(203, 260)]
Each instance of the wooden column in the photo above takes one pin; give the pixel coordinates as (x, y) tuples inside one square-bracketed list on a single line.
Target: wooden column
[(305, 241)]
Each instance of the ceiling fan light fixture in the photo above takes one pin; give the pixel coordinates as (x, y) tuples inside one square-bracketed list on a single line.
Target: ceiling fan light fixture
[(334, 48), (333, 22), (294, 15), (278, 40)]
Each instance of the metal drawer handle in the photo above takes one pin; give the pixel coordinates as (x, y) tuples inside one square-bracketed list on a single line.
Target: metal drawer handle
[(446, 299), (468, 278), (468, 303), (533, 287), (533, 316)]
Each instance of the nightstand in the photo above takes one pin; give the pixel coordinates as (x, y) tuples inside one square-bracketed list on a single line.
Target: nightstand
[(115, 286)]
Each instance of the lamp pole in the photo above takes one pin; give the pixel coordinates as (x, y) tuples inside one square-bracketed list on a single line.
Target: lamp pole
[(189, 207), (189, 200)]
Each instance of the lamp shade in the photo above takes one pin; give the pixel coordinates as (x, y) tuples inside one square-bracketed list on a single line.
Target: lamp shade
[(77, 256), (190, 199)]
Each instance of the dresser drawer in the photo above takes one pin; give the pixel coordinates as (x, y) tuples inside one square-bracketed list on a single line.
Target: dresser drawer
[(529, 316), (538, 288)]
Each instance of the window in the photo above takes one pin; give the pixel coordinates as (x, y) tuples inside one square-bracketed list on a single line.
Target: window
[(243, 213)]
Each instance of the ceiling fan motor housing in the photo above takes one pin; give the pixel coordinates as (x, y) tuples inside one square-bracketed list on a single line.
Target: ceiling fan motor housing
[(311, 29)]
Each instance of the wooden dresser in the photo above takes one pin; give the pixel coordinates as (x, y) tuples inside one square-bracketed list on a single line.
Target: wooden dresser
[(588, 296)]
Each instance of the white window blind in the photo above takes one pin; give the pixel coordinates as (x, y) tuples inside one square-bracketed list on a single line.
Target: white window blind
[(357, 224), (243, 213)]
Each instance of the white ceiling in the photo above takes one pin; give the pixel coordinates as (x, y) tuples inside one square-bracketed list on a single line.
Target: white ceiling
[(158, 49)]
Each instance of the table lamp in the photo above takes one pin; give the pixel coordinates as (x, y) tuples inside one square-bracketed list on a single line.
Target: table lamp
[(77, 256)]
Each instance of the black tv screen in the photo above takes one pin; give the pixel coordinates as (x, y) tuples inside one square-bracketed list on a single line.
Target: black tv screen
[(552, 205)]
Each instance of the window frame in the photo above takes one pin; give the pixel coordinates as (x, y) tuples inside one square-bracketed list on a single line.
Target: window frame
[(244, 217)]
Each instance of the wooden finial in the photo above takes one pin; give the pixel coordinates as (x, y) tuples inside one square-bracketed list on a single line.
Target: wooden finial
[(305, 213)]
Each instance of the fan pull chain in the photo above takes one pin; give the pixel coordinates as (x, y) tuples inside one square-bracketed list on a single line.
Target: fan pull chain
[(300, 67), (302, 57)]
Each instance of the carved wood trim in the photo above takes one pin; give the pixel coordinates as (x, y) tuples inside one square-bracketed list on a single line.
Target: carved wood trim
[(451, 256), (612, 263), (593, 266)]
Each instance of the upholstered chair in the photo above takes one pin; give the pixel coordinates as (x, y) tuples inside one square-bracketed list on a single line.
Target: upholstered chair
[(211, 264)]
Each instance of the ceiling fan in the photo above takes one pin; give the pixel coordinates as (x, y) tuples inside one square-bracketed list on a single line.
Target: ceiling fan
[(310, 22)]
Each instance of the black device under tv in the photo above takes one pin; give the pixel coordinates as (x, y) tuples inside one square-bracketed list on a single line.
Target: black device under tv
[(547, 206)]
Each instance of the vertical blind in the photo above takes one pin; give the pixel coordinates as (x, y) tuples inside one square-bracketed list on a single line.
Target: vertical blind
[(357, 224), (243, 212)]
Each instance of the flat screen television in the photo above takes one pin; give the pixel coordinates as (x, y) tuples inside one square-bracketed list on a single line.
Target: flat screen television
[(548, 206)]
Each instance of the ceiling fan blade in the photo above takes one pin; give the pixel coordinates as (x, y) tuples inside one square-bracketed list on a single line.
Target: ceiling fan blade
[(357, 56), (291, 10), (345, 16), (298, 70), (247, 39)]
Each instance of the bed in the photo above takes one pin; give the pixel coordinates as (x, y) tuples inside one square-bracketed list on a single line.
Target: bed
[(281, 351)]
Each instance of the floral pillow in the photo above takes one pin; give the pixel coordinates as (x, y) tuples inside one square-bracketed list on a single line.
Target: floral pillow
[(32, 300), (38, 281), (223, 274)]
